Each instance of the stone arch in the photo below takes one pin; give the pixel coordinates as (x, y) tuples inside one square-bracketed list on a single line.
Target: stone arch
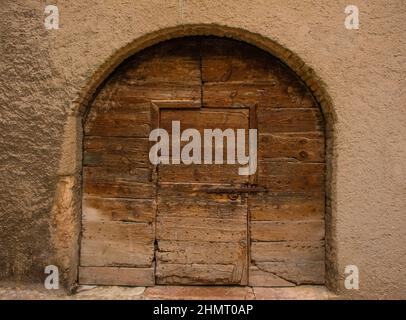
[(293, 61)]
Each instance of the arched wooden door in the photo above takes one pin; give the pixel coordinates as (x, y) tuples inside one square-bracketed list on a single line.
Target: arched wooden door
[(146, 225)]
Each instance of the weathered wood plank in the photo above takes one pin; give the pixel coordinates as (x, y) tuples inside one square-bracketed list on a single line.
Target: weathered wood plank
[(287, 251), (289, 120), (227, 60), (123, 123), (286, 207), (116, 209), (205, 119), (144, 93), (195, 229), (117, 276), (201, 205), (227, 95), (116, 152), (201, 173), (307, 272), (107, 243), (121, 189), (201, 252), (102, 253), (173, 61), (120, 232), (168, 69), (280, 176), (195, 190), (108, 102), (306, 230), (208, 274), (307, 147), (261, 278), (117, 174)]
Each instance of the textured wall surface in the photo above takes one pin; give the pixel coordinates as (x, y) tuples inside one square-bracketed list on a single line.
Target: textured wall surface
[(44, 72)]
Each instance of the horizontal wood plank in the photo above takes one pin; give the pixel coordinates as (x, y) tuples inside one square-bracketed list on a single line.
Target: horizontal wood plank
[(116, 152), (301, 177), (123, 123), (96, 252), (272, 120), (117, 276), (200, 252), (118, 209), (286, 207), (209, 274), (201, 173), (201, 205), (306, 230), (205, 119), (116, 231), (265, 94), (194, 229), (121, 189), (117, 174), (287, 251), (145, 93), (306, 147)]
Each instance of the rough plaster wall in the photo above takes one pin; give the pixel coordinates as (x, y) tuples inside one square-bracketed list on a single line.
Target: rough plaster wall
[(43, 72)]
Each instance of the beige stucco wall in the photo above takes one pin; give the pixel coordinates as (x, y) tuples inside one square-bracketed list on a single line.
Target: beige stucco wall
[(47, 74)]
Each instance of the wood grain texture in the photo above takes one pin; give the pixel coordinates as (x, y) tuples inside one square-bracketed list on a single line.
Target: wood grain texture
[(116, 243), (299, 273), (189, 274), (204, 229), (305, 147), (118, 209), (272, 120), (262, 94), (292, 176), (200, 252), (287, 251), (117, 276), (116, 152), (305, 230), (286, 206)]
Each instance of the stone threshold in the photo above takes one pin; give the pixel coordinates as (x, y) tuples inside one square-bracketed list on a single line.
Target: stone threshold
[(87, 292)]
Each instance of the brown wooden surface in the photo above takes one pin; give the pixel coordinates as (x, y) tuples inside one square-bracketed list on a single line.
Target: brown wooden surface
[(196, 235), (117, 276), (273, 238)]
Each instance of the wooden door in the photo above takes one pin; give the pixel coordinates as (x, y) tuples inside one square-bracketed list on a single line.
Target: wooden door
[(201, 232), (143, 224)]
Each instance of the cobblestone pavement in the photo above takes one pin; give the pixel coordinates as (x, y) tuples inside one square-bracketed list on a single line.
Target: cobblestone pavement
[(37, 292)]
